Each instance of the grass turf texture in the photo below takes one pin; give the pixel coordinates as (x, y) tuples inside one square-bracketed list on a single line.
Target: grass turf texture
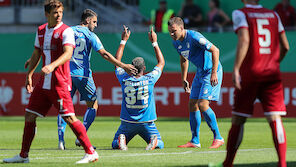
[(256, 149)]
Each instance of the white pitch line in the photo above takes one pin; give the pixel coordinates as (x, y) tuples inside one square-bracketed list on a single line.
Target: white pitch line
[(154, 154)]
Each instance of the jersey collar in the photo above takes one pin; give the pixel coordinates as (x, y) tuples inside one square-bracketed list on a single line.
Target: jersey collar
[(253, 6), (56, 27)]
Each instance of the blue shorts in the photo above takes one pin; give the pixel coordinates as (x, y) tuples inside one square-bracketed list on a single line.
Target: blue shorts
[(130, 130), (202, 89), (86, 87)]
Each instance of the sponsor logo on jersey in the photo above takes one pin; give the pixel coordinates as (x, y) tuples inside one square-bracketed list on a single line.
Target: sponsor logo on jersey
[(185, 53), (56, 35)]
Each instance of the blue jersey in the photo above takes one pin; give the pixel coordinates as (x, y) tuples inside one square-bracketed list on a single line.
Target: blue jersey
[(80, 61), (138, 104), (195, 48)]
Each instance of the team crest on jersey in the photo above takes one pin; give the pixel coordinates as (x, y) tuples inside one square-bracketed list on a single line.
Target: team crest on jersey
[(202, 41), (56, 35), (185, 53), (188, 45), (180, 47), (120, 71)]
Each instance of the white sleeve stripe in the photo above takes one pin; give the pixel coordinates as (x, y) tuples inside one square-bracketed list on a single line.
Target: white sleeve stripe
[(37, 45), (68, 36), (280, 25), (239, 20)]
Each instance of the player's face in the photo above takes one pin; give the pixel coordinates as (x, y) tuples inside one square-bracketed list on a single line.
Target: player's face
[(176, 31), (55, 16), (92, 23)]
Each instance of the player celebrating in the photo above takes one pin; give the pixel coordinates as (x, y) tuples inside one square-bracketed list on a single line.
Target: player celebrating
[(262, 45), (81, 73), (193, 46), (138, 111), (54, 42)]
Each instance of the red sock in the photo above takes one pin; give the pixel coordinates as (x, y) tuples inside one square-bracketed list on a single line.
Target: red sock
[(235, 137), (279, 139), (28, 136), (80, 132)]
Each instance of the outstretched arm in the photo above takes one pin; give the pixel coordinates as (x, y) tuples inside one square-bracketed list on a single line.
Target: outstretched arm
[(153, 38)]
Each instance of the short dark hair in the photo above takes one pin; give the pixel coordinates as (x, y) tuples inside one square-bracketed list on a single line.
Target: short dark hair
[(217, 3), (139, 64), (86, 14), (176, 20), (52, 4)]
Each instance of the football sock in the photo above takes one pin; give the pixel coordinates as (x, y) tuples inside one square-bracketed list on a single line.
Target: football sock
[(211, 120), (279, 139), (61, 127), (235, 137), (80, 132), (89, 117), (28, 136), (195, 120)]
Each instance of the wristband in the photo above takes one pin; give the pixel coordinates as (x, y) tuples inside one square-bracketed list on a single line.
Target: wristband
[(123, 42), (154, 44)]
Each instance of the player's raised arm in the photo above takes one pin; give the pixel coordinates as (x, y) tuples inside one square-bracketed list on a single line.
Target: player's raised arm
[(124, 37), (153, 38), (241, 52)]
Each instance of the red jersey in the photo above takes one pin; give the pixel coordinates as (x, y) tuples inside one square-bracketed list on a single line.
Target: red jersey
[(50, 41), (262, 59)]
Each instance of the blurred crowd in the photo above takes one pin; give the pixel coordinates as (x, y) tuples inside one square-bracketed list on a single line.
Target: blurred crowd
[(215, 20)]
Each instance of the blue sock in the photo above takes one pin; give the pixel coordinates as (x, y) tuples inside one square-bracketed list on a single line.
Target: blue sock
[(61, 127), (89, 117), (210, 118), (195, 120)]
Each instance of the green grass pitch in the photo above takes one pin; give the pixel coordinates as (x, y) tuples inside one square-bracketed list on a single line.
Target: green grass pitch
[(256, 149)]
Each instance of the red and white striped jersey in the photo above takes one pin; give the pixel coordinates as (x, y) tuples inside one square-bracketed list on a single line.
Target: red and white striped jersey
[(50, 41), (264, 25)]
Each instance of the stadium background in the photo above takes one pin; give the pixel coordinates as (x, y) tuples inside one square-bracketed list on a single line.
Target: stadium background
[(171, 101)]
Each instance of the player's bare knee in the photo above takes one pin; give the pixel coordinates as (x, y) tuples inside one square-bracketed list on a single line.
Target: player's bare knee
[(203, 105), (271, 118), (193, 106), (70, 119)]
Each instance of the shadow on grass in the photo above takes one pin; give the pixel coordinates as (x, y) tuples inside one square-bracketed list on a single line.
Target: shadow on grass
[(269, 164)]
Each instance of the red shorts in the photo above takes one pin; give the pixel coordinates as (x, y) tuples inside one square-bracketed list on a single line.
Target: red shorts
[(41, 101), (270, 94)]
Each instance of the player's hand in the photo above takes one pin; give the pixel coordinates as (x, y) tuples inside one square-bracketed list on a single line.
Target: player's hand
[(236, 79), (214, 79), (152, 35), (47, 69), (126, 33), (130, 69), (186, 86), (28, 84), (27, 63)]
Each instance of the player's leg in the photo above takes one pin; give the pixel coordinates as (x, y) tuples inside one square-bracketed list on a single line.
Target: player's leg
[(61, 131), (90, 113), (38, 106), (124, 134), (151, 135), (243, 108), (207, 94), (63, 102), (194, 115), (235, 137), (272, 99)]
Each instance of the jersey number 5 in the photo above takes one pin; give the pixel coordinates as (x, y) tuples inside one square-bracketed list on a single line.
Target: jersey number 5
[(266, 40)]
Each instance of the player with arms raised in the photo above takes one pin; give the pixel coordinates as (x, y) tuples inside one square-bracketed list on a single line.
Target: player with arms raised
[(262, 45), (138, 111)]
